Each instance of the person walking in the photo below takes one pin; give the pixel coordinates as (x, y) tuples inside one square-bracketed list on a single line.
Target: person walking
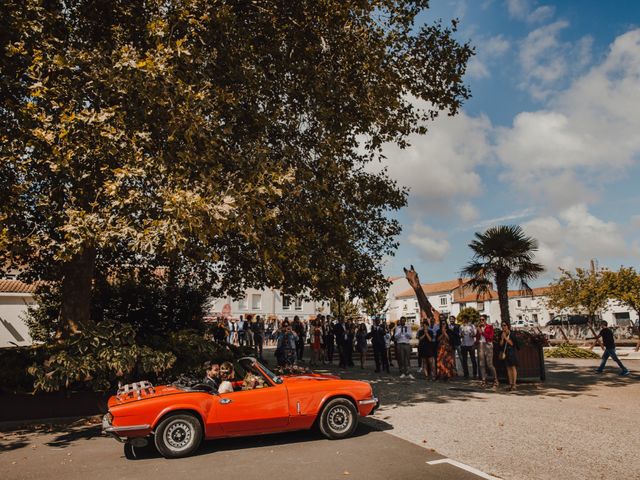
[(468, 335), (378, 342), (402, 337), (609, 348), (484, 344), (361, 343), (446, 363), (509, 346)]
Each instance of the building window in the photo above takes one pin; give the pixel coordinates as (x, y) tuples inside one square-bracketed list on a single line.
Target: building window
[(443, 300), (535, 317), (298, 304), (286, 302), (519, 303), (256, 301), (480, 306), (242, 304)]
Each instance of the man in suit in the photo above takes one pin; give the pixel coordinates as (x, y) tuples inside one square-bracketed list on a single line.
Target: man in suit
[(212, 377), (340, 332), (379, 348)]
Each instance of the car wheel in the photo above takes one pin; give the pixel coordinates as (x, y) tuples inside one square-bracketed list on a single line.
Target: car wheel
[(339, 419), (178, 435)]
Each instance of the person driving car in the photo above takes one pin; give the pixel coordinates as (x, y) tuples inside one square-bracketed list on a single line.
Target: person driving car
[(212, 377)]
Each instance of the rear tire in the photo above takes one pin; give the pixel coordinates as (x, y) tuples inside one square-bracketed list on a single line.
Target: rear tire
[(178, 435), (339, 419)]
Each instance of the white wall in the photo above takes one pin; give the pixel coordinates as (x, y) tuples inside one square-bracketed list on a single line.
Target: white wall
[(13, 307)]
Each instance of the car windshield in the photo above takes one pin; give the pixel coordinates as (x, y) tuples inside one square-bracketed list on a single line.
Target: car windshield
[(254, 366)]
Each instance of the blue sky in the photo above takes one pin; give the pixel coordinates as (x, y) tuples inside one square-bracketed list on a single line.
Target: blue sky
[(550, 139)]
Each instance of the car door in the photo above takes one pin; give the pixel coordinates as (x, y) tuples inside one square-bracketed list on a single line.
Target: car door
[(260, 410)]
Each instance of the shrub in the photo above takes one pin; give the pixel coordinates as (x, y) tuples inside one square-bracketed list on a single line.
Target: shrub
[(469, 314)]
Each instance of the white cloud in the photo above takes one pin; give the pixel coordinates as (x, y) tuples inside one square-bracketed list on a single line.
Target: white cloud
[(575, 236), (488, 50), (467, 212), (440, 168), (431, 244), (527, 212), (547, 62), (586, 136), (524, 10)]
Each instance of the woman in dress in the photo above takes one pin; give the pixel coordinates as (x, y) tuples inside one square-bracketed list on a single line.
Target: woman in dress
[(361, 343), (226, 375), (509, 345), (427, 351), (446, 360), (316, 343)]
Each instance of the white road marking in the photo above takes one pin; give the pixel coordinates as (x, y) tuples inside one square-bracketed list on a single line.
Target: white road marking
[(462, 466)]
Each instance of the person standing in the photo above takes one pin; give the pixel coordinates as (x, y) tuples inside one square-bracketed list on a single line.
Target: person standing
[(351, 338), (361, 343), (248, 332), (509, 346), (316, 343), (402, 337), (609, 348), (377, 336), (287, 343), (240, 331), (258, 335), (468, 335), (446, 364), (340, 330), (299, 329), (330, 339), (426, 350), (484, 344), (454, 338)]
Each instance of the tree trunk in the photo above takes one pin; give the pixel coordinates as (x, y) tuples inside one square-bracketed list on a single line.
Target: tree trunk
[(77, 278), (502, 285)]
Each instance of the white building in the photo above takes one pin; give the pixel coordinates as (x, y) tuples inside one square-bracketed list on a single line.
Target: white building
[(15, 299), (268, 303)]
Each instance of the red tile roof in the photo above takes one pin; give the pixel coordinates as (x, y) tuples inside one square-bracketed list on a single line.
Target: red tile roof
[(493, 295), (15, 286), (435, 287)]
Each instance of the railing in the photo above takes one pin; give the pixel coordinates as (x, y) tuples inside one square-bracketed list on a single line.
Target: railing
[(137, 389)]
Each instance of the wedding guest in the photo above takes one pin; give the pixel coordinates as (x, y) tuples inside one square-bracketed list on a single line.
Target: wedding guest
[(316, 343), (468, 336), (299, 329), (484, 343), (340, 331), (257, 328), (446, 362), (454, 337), (392, 343), (361, 343), (509, 345), (287, 343), (212, 377), (351, 338), (402, 337), (330, 340), (377, 336), (426, 350)]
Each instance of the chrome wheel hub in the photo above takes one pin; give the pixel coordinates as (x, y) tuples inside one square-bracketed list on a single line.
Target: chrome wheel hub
[(339, 419), (178, 435)]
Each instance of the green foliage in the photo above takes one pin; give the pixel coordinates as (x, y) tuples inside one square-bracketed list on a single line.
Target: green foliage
[(568, 350), (374, 304), (503, 254), (97, 358), (624, 286), (233, 135), (469, 314), (585, 291)]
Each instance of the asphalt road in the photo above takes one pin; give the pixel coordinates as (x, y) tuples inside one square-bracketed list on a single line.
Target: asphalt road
[(80, 452)]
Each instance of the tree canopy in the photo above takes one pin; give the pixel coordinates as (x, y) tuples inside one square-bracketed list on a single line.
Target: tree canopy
[(584, 290), (503, 254), (227, 139)]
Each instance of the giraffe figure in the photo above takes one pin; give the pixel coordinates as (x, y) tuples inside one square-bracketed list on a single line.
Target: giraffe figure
[(426, 309)]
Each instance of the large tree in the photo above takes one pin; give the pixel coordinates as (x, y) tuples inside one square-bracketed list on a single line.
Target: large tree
[(504, 255), (230, 136)]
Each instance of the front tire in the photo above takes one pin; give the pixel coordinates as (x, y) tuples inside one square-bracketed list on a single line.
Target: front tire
[(178, 436), (339, 419)]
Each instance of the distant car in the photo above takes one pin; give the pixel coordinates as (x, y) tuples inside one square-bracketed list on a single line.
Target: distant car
[(569, 320), (523, 323), (176, 419)]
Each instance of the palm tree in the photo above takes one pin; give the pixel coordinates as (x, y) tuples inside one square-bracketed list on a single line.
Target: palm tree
[(503, 254)]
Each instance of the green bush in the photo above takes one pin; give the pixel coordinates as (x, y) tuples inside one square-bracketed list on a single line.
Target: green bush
[(469, 314)]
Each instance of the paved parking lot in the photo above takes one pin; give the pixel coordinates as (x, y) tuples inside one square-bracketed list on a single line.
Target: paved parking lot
[(80, 452)]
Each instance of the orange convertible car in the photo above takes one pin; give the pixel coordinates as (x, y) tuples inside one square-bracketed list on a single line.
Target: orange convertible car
[(176, 418)]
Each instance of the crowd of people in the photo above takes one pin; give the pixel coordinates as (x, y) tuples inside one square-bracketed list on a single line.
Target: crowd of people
[(442, 344)]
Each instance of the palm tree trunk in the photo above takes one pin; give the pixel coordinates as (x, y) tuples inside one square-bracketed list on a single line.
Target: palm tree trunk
[(502, 285)]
